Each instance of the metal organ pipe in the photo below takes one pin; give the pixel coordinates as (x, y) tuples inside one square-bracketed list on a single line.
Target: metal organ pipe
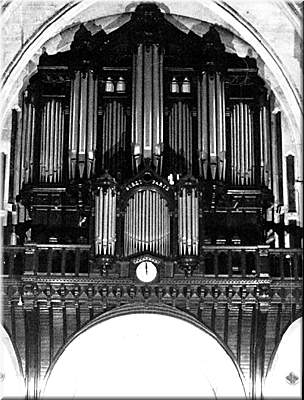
[(180, 135), (113, 134), (211, 125), (51, 144), (83, 124), (188, 222), (147, 117), (27, 143), (242, 145), (147, 227), (265, 147), (105, 221)]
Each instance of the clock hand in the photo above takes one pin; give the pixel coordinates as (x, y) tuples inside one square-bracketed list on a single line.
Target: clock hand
[(146, 265)]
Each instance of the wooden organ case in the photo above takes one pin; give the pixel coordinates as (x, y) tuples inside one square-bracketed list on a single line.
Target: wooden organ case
[(145, 142)]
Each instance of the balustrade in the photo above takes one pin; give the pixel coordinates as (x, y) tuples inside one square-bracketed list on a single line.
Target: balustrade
[(214, 261)]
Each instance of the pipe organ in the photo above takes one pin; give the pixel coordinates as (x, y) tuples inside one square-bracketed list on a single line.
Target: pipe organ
[(135, 105), (27, 141), (147, 224), (147, 167), (105, 221), (83, 125), (211, 125), (114, 125), (242, 145), (147, 105), (188, 221), (51, 142)]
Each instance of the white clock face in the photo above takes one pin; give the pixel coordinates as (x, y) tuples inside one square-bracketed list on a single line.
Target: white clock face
[(146, 271)]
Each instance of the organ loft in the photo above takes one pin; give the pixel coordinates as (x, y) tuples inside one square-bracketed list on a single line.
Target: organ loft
[(147, 164)]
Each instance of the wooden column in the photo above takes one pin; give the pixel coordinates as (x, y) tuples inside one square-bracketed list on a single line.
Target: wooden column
[(32, 367)]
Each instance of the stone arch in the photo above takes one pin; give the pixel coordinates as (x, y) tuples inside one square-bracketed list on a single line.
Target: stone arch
[(141, 316), (284, 377), (11, 374)]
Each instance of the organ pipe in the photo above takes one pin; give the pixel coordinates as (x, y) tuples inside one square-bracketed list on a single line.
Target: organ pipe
[(242, 145), (147, 100), (51, 144), (211, 125), (113, 135), (147, 224), (188, 222), (27, 142), (105, 221), (83, 125), (180, 136), (265, 147)]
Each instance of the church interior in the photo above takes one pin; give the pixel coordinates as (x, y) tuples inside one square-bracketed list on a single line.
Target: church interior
[(151, 199)]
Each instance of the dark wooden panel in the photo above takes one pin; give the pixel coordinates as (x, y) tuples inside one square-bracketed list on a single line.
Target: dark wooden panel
[(44, 338), (245, 354), (233, 329), (220, 320), (57, 327), (270, 334), (20, 333), (71, 320)]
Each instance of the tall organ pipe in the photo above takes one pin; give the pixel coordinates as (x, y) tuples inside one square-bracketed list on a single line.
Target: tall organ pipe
[(27, 142), (147, 100), (113, 134), (105, 221), (83, 125), (211, 125), (242, 145), (51, 144), (188, 222), (180, 136), (147, 226), (265, 146)]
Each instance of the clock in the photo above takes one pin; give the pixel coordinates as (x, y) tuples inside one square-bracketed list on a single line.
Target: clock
[(146, 271)]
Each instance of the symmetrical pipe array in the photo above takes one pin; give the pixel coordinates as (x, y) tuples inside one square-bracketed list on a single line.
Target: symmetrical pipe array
[(51, 144), (27, 142), (113, 135), (242, 145), (180, 136), (147, 105), (188, 221), (105, 221), (83, 124), (147, 224), (211, 125)]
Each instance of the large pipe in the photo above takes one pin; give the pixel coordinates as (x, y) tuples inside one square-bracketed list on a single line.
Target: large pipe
[(147, 100), (211, 125), (83, 124), (42, 145), (51, 145), (105, 221)]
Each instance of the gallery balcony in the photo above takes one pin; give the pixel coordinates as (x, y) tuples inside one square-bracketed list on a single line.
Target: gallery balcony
[(77, 260)]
